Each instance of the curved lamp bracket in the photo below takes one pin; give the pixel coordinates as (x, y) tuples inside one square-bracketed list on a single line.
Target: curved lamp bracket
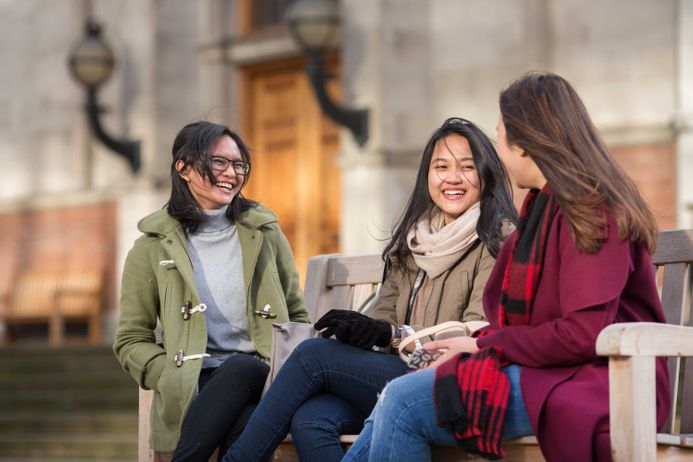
[(126, 148), (356, 120)]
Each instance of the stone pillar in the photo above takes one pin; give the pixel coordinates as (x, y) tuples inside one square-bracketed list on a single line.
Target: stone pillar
[(684, 115), (385, 48), (141, 199)]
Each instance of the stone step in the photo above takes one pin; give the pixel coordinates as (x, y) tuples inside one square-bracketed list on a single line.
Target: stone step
[(60, 381), (69, 404), (67, 423), (69, 400), (16, 361), (76, 447), (56, 459)]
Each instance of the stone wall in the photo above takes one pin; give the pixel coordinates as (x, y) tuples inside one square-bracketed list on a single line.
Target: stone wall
[(415, 63)]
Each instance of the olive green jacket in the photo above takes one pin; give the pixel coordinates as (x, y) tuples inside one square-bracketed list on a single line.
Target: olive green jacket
[(158, 281), (456, 294)]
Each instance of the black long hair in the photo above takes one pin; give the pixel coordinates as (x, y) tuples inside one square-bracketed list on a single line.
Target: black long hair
[(193, 145), (496, 192)]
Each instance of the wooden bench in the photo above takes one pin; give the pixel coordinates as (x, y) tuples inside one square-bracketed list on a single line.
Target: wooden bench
[(346, 282), (632, 348), (54, 297)]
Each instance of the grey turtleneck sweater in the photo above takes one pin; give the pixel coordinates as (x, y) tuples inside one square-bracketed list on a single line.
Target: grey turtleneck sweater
[(217, 261)]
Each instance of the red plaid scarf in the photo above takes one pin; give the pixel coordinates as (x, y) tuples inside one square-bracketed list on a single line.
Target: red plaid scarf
[(471, 396), (524, 268), (470, 391)]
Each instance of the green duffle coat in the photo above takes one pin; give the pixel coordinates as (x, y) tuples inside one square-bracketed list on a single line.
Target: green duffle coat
[(158, 282)]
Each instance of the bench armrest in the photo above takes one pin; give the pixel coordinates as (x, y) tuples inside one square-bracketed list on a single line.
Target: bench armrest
[(645, 339)]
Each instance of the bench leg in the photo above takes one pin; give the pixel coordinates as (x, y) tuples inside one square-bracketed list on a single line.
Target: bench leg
[(632, 406), (94, 327), (7, 341), (55, 330)]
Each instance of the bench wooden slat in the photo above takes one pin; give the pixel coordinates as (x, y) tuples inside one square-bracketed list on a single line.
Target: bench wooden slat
[(349, 271), (674, 246), (675, 253), (687, 400), (673, 298)]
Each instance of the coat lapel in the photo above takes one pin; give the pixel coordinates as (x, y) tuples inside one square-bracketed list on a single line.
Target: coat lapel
[(251, 242), (175, 244)]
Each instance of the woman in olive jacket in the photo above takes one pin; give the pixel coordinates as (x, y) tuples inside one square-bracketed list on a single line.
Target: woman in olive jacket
[(215, 270), (437, 264)]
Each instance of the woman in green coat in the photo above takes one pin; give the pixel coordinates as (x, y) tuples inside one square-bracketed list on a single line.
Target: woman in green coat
[(215, 270)]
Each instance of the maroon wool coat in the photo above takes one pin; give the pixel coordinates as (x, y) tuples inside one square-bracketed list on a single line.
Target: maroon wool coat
[(564, 383)]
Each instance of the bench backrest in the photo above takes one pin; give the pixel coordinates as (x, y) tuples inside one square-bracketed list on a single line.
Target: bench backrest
[(675, 255), (333, 281), (38, 293), (33, 295)]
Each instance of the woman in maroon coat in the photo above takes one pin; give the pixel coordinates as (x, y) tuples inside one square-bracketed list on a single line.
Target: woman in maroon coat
[(579, 261)]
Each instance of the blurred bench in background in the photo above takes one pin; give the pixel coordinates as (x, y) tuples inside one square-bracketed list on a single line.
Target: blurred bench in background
[(55, 297)]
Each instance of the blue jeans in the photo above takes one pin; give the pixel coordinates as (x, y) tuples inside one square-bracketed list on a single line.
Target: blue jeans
[(403, 423), (323, 389)]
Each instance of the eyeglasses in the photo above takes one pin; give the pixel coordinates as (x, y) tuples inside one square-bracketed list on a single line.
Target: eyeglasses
[(220, 164)]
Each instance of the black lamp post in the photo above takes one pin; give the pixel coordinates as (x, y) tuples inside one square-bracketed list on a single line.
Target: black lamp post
[(316, 26), (91, 63)]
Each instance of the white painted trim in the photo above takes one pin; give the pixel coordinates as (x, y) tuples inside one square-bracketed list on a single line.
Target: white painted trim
[(57, 200), (633, 135)]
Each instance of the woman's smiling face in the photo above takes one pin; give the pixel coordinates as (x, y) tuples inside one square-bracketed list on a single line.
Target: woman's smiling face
[(215, 193), (453, 182)]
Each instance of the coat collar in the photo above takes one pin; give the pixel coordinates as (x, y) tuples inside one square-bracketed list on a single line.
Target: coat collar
[(173, 239), (160, 223)]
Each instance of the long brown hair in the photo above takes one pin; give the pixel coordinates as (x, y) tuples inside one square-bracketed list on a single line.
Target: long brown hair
[(544, 115)]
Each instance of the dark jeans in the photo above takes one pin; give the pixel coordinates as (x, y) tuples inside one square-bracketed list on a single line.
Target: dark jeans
[(323, 389), (227, 397)]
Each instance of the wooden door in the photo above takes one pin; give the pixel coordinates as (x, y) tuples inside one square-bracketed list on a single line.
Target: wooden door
[(293, 148)]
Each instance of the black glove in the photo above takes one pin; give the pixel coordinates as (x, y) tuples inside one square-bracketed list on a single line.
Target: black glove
[(355, 329)]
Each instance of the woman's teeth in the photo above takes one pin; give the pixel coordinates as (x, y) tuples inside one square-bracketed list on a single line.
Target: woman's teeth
[(225, 186)]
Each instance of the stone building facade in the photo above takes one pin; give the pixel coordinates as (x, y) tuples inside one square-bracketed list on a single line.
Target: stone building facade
[(67, 201)]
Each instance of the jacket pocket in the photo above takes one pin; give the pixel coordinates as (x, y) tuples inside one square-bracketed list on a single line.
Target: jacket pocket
[(168, 400)]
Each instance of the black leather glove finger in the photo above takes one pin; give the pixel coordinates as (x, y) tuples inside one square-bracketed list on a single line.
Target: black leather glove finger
[(343, 332), (384, 335), (331, 318), (328, 332), (367, 332)]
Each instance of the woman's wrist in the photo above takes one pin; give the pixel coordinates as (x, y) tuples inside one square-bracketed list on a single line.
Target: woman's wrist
[(396, 336)]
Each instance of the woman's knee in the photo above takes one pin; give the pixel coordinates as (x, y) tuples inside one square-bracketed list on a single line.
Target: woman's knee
[(317, 352), (394, 395), (248, 367), (404, 393), (327, 413), (313, 345), (305, 421)]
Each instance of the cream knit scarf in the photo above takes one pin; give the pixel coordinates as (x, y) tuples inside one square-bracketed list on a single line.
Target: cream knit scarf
[(436, 246)]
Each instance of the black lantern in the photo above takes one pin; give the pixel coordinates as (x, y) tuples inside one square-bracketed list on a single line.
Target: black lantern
[(316, 26), (91, 63)]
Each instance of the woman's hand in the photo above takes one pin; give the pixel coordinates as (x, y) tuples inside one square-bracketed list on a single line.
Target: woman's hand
[(354, 329), (452, 346)]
